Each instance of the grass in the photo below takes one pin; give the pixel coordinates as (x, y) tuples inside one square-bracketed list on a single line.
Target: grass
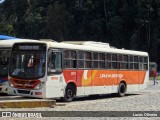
[(151, 78)]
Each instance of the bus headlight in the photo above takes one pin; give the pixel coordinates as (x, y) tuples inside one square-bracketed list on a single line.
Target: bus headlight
[(10, 84), (39, 86)]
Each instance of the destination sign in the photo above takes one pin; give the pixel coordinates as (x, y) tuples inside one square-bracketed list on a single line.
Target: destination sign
[(29, 47)]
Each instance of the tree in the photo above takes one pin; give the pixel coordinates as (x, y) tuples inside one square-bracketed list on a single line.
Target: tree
[(58, 22)]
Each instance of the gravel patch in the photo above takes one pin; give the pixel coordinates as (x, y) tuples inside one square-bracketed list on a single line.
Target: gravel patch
[(144, 100)]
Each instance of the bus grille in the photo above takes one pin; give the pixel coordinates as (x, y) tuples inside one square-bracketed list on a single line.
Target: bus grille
[(23, 91), (24, 84)]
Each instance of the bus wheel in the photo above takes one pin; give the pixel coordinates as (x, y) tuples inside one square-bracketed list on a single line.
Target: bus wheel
[(121, 90), (69, 93)]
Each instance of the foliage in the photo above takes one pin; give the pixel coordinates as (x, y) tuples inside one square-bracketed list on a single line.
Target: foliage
[(129, 24)]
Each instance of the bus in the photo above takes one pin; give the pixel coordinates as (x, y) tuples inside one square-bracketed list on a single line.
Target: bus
[(67, 70), (5, 51)]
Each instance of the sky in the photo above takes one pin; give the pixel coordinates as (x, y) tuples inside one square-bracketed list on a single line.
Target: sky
[(1, 1)]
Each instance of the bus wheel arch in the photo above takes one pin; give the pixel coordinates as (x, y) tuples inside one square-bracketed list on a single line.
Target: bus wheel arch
[(70, 92), (122, 89)]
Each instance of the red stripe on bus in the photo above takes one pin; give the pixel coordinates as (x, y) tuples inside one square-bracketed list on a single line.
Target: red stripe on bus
[(103, 77)]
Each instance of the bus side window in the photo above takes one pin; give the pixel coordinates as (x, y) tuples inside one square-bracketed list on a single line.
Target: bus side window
[(55, 62)]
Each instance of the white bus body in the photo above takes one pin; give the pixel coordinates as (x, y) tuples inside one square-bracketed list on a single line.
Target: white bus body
[(69, 70)]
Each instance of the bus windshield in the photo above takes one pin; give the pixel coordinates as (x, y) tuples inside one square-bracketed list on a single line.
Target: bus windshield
[(4, 60), (27, 65)]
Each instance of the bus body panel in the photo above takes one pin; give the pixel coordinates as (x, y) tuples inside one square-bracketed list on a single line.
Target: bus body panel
[(54, 86), (79, 77), (107, 81), (146, 80), (23, 87), (70, 76), (26, 92), (106, 77)]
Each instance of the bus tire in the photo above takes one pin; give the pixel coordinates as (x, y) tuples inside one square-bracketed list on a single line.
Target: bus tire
[(69, 93), (121, 89)]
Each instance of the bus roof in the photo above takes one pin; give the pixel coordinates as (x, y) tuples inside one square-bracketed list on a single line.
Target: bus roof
[(87, 47), (10, 42)]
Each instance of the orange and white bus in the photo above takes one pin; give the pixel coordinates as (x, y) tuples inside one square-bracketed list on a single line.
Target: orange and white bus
[(66, 70)]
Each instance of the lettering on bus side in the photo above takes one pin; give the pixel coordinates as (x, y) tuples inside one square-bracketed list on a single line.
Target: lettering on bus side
[(54, 78), (111, 76), (73, 73)]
